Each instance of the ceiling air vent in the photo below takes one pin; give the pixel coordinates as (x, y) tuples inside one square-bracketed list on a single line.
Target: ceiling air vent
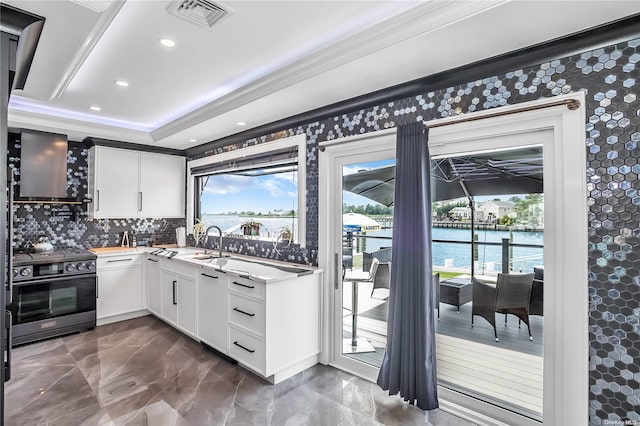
[(200, 12)]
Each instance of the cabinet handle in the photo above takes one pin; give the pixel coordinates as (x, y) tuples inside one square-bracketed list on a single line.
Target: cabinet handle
[(210, 276), (243, 312), (243, 285), (175, 296), (97, 199), (97, 288), (140, 201), (119, 260), (153, 260), (246, 349)]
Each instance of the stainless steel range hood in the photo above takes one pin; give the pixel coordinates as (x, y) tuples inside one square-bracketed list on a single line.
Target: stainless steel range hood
[(43, 166)]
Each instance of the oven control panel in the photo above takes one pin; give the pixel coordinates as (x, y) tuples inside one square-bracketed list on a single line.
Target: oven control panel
[(52, 270), (80, 267), (22, 272)]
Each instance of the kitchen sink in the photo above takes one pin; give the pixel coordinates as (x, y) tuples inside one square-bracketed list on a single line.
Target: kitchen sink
[(207, 256)]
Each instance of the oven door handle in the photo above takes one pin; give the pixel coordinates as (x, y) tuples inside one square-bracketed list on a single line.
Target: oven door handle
[(43, 279), (7, 363)]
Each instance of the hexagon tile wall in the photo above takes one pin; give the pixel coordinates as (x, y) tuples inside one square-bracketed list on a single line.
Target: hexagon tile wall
[(611, 78)]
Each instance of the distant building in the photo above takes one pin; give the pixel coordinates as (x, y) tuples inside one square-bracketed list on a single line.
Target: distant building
[(491, 211), (460, 213)]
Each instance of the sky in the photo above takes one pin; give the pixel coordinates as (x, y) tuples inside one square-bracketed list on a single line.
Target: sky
[(230, 193)]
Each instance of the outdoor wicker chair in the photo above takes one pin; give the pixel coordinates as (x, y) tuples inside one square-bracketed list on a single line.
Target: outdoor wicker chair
[(382, 278), (383, 255), (511, 295), (537, 292)]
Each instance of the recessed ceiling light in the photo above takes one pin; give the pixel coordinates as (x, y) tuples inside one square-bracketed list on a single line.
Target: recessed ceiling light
[(94, 108), (241, 123), (193, 140), (121, 83), (167, 42)]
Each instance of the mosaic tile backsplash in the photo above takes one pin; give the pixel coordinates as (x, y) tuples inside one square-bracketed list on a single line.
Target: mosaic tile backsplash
[(611, 79)]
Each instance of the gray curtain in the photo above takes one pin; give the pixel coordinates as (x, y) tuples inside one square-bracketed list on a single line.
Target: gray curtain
[(409, 363)]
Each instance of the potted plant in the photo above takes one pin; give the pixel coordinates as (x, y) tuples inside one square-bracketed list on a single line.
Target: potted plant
[(251, 227), (198, 231), (285, 234)]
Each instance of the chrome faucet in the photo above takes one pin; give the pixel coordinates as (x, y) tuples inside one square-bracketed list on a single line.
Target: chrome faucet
[(206, 237)]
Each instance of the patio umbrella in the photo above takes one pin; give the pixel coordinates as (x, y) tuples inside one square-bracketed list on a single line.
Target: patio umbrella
[(506, 172), (356, 222), (497, 173), (375, 184)]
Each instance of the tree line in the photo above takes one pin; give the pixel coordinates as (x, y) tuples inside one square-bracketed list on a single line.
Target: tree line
[(368, 210)]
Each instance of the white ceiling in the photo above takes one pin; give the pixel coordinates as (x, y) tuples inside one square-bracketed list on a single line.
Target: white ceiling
[(263, 61)]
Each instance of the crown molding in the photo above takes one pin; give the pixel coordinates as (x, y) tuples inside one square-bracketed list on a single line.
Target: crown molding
[(101, 25), (424, 18), (75, 129)]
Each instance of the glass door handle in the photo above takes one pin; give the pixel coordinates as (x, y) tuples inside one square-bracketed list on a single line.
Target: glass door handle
[(335, 271)]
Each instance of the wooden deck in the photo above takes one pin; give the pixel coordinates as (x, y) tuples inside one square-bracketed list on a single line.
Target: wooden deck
[(507, 373)]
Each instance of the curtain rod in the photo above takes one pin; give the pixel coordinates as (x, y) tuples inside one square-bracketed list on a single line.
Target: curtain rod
[(572, 104)]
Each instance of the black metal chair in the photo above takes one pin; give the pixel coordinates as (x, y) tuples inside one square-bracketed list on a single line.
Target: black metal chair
[(510, 295)]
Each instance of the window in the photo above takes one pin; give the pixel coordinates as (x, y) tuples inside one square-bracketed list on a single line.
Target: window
[(262, 184)]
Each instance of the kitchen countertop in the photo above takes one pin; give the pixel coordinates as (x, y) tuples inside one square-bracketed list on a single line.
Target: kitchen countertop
[(258, 269), (106, 250)]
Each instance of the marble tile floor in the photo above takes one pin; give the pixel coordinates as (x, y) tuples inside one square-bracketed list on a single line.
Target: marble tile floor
[(143, 372)]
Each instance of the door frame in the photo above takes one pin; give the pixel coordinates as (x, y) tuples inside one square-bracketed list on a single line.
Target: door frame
[(566, 343)]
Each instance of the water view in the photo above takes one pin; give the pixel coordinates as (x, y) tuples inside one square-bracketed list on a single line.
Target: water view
[(489, 257), (271, 226)]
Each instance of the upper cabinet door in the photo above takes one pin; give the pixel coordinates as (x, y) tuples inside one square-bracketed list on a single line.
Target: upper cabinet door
[(115, 192), (128, 184), (162, 185)]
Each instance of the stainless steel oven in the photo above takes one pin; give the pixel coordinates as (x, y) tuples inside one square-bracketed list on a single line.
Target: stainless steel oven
[(53, 294)]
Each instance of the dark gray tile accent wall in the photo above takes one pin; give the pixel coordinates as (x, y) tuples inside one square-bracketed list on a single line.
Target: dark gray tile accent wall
[(610, 77), (67, 225)]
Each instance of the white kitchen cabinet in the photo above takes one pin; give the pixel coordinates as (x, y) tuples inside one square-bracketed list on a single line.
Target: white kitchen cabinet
[(274, 328), (162, 185), (213, 324), (154, 289), (187, 305), (126, 183), (120, 288), (113, 182), (169, 310), (179, 296)]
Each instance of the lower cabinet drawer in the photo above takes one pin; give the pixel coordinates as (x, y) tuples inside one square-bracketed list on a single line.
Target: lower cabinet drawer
[(247, 349), (247, 313), (247, 287)]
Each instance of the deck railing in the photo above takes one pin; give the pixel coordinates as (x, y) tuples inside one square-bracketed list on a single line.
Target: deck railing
[(507, 262)]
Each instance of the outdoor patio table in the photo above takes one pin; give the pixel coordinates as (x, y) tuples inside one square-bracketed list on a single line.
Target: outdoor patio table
[(456, 291)]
